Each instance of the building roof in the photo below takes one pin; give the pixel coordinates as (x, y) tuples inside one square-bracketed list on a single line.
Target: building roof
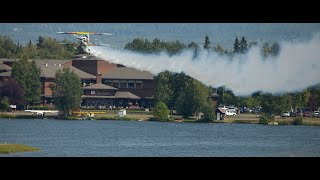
[(93, 96), (7, 60), (127, 73), (99, 86), (215, 95), (49, 71), (85, 57), (4, 67), (54, 62), (5, 74), (123, 94), (38, 61), (126, 95)]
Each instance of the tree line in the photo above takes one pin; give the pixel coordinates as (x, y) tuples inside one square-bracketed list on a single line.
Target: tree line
[(177, 91), (157, 46), (43, 48), (184, 94)]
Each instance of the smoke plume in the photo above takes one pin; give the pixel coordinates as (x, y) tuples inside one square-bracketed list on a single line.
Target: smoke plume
[(295, 68)]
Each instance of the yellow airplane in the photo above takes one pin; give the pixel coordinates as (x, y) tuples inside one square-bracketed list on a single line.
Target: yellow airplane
[(85, 39)]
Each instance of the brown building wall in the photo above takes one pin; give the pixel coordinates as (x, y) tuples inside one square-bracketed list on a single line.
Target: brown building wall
[(46, 87), (147, 89), (94, 67), (86, 66)]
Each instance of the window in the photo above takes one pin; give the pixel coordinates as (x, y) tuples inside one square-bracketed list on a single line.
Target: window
[(107, 82), (138, 84), (85, 82), (123, 84), (115, 83), (130, 84)]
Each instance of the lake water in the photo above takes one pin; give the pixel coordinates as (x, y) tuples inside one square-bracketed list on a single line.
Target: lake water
[(108, 138)]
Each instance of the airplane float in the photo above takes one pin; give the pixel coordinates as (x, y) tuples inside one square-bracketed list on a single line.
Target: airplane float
[(84, 38), (41, 112), (88, 115)]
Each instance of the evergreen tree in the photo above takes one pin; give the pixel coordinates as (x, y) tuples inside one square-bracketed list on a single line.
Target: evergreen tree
[(236, 46), (243, 45), (275, 49), (265, 49), (34, 84), (195, 48), (40, 42), (30, 43), (206, 44)]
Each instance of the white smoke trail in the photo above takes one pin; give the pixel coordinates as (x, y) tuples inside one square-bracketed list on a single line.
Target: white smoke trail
[(295, 68)]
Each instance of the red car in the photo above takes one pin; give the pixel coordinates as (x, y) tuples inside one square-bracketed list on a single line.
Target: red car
[(307, 114)]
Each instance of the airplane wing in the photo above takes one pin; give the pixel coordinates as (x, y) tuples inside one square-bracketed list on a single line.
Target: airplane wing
[(93, 33), (41, 111)]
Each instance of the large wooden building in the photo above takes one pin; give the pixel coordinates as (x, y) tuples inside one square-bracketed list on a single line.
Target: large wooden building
[(104, 84)]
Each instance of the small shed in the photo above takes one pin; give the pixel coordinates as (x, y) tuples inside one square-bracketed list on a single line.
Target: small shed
[(221, 113), (122, 113)]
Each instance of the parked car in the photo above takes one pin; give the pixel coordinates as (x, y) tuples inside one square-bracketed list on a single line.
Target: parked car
[(285, 114), (315, 113), (256, 111), (230, 113), (307, 114), (293, 114)]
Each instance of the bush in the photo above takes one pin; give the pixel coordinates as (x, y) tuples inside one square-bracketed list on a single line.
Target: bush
[(161, 112), (5, 105), (209, 114), (265, 119), (297, 121)]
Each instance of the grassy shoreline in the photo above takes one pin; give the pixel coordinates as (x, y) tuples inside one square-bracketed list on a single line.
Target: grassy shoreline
[(147, 116), (14, 148)]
